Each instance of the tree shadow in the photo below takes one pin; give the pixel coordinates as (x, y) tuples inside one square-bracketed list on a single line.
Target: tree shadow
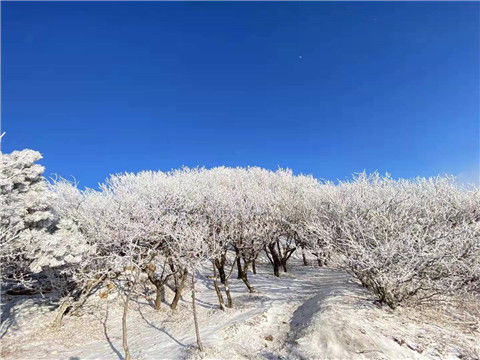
[(42, 293), (162, 329), (206, 304), (269, 355), (110, 343)]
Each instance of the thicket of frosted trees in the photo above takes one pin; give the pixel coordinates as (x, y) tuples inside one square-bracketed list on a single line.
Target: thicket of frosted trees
[(405, 240)]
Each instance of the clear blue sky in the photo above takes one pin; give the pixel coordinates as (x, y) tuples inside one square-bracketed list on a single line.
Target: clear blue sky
[(323, 88)]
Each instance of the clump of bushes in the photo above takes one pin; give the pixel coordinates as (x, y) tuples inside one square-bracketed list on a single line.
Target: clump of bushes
[(405, 240)]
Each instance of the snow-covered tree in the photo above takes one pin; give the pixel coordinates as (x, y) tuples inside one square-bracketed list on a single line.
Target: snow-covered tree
[(26, 219), (292, 205), (405, 239)]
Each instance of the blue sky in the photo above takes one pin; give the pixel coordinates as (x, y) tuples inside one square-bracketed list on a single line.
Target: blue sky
[(323, 88)]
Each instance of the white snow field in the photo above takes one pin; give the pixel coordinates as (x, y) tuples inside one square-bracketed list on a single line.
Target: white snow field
[(307, 313)]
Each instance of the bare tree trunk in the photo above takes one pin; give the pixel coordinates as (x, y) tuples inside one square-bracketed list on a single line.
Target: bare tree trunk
[(86, 293), (220, 264), (254, 266), (124, 318), (124, 327), (239, 266), (280, 255), (319, 261), (176, 298), (283, 257), (305, 262), (195, 320), (178, 290), (275, 259), (276, 269), (227, 288), (217, 289), (60, 313), (160, 295), (250, 288), (159, 286), (244, 278), (229, 296), (69, 304)]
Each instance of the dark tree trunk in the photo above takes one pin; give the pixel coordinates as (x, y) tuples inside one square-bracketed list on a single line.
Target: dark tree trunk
[(178, 289), (254, 267), (217, 289), (176, 298), (250, 288), (159, 286), (319, 261), (276, 269), (284, 254), (239, 266), (220, 264), (227, 288), (283, 257), (244, 277), (275, 259), (305, 262)]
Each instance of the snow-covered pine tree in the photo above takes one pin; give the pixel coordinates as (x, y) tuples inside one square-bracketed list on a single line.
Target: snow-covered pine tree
[(25, 214)]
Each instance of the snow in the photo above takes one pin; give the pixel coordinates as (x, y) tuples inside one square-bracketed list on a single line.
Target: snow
[(308, 313)]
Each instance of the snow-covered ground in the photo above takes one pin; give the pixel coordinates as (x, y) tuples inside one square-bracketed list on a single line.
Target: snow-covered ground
[(308, 313)]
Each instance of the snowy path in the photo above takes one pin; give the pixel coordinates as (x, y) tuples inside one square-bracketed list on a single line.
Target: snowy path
[(254, 317), (308, 313), (241, 330)]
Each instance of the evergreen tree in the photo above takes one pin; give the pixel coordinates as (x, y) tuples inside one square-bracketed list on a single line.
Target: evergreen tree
[(25, 213)]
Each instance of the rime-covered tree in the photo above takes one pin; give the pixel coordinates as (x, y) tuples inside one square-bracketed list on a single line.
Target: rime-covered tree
[(26, 219), (405, 239)]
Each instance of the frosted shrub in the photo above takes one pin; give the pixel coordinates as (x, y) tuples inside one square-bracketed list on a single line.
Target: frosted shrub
[(295, 201), (316, 227), (405, 240)]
